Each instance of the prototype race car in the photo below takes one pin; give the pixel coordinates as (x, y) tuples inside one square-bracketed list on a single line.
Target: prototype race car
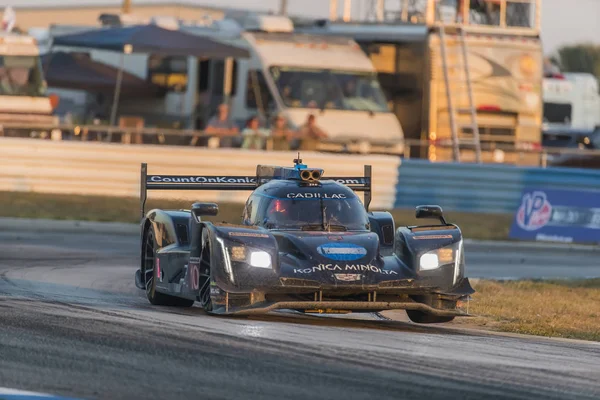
[(305, 243)]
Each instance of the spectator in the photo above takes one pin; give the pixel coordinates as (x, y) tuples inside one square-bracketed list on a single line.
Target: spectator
[(310, 134), (254, 135), (281, 134), (222, 127), (286, 95), (6, 86), (350, 89)]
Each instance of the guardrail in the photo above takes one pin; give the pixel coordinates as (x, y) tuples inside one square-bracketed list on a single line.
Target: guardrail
[(509, 152), (497, 152), (107, 169), (485, 188)]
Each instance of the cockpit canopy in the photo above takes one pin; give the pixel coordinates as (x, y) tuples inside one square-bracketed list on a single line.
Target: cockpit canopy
[(296, 205)]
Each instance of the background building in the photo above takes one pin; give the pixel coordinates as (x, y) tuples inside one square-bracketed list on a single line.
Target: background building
[(43, 17)]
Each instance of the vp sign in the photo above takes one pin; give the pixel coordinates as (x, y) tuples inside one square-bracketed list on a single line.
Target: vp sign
[(557, 215), (535, 211)]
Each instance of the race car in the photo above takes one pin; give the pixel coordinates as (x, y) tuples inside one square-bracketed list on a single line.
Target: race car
[(305, 243)]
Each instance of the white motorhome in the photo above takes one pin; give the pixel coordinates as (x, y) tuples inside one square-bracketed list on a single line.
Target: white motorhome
[(288, 73), (24, 103), (300, 74), (415, 45), (571, 100)]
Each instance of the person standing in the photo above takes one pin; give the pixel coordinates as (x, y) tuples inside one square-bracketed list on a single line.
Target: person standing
[(222, 127), (310, 134), (254, 136), (281, 134)]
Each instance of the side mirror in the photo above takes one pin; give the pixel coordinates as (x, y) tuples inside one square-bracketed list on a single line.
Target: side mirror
[(204, 209), (430, 212)]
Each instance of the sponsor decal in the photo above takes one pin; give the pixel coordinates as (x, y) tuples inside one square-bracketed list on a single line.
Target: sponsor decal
[(347, 277), (158, 271), (337, 234), (316, 196), (219, 297), (200, 179), (249, 234), (195, 260), (194, 276), (344, 268), (554, 238), (432, 237), (351, 181), (342, 251), (535, 211), (557, 215), (232, 179)]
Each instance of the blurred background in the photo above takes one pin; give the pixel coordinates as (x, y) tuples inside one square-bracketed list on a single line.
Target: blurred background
[(525, 90)]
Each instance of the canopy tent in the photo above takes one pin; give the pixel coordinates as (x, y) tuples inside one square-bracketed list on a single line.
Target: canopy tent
[(148, 39), (79, 71)]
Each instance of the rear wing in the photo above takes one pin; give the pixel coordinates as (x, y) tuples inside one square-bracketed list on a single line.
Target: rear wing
[(206, 182)]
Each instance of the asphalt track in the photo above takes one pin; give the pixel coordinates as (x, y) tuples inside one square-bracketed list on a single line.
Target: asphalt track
[(73, 324)]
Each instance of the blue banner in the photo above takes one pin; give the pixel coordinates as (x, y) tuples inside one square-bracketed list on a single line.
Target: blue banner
[(558, 216)]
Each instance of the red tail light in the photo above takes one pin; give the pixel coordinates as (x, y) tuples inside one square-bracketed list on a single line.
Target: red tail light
[(489, 108), (532, 146), (556, 76)]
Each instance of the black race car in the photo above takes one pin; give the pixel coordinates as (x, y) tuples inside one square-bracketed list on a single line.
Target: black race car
[(305, 243)]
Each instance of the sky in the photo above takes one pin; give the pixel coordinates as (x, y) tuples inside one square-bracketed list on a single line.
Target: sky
[(563, 21)]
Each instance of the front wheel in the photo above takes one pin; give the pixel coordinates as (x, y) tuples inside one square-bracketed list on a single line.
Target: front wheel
[(420, 317), (150, 275)]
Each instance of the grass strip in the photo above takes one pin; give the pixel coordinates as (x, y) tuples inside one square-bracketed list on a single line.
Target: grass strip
[(126, 209), (553, 308)]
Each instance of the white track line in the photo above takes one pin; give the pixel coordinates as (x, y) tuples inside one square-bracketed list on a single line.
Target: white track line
[(23, 394)]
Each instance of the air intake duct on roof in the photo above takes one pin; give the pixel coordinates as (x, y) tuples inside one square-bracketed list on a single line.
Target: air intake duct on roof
[(311, 175)]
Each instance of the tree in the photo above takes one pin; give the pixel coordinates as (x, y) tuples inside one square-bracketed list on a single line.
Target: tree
[(580, 58)]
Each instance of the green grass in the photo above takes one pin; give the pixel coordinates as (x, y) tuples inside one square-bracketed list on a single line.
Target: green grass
[(556, 308), (126, 209)]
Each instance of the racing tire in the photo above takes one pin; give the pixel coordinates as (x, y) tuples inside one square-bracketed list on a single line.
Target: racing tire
[(150, 276), (420, 317)]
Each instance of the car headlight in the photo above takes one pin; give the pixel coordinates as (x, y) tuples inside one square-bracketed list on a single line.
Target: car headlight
[(435, 258), (255, 258), (429, 261), (260, 259)]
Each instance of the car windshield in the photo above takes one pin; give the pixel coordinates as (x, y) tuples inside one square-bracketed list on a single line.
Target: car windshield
[(21, 76), (316, 214), (329, 89)]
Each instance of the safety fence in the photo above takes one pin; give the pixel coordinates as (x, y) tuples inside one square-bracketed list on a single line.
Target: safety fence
[(485, 188), (93, 168), (524, 154)]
